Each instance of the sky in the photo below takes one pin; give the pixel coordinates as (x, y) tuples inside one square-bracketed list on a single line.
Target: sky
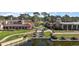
[(57, 7), (74, 14)]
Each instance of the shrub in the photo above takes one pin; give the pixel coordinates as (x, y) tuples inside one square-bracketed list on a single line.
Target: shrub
[(62, 38), (73, 38), (53, 37)]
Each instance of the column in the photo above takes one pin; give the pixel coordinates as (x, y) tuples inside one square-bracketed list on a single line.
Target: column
[(67, 27), (76, 27), (72, 27), (62, 26)]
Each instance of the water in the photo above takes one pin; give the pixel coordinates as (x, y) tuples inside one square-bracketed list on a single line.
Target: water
[(36, 42)]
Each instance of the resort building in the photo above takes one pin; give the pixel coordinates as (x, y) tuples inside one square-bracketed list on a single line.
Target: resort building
[(69, 25), (15, 24), (63, 25)]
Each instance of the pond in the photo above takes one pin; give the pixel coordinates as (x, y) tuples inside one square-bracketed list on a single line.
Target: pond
[(35, 42)]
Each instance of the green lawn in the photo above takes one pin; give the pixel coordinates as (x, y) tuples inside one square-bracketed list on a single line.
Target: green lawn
[(6, 33), (13, 37), (67, 35), (61, 31), (47, 34)]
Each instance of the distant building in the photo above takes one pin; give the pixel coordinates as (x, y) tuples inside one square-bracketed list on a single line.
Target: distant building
[(15, 24), (64, 25), (69, 25)]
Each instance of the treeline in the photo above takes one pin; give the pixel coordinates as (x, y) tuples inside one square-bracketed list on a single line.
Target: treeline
[(43, 16)]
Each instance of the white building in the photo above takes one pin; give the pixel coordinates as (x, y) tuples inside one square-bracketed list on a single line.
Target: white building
[(69, 25)]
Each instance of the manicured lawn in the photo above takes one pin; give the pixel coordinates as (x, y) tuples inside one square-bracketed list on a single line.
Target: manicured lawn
[(13, 38), (67, 35), (16, 36), (6, 33), (61, 31), (47, 34)]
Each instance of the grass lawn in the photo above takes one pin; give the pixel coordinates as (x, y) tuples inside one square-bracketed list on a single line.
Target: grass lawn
[(61, 31), (6, 33), (47, 34), (16, 36), (13, 37), (67, 35)]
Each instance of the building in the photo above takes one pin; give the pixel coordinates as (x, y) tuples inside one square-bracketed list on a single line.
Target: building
[(63, 25), (15, 24), (69, 25)]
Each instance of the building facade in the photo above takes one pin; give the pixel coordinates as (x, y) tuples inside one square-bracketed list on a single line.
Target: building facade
[(15, 24), (69, 25)]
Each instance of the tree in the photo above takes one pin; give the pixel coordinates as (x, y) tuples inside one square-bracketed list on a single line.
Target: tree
[(45, 16), (10, 17), (53, 18), (49, 18), (66, 18), (2, 17), (36, 13), (24, 16), (36, 16)]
